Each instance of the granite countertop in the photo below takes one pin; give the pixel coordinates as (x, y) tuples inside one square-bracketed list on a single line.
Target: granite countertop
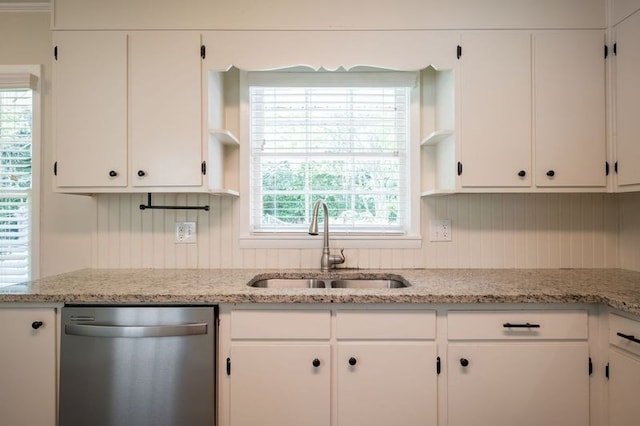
[(616, 288)]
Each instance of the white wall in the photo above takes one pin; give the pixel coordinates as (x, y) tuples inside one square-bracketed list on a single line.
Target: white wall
[(66, 221), (489, 231)]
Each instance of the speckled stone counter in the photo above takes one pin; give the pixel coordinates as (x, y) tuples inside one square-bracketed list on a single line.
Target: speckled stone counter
[(616, 288)]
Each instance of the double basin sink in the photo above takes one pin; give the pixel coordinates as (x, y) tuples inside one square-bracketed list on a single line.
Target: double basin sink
[(351, 283)]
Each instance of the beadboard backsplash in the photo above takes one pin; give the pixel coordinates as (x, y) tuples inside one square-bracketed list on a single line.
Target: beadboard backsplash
[(489, 231), (629, 205)]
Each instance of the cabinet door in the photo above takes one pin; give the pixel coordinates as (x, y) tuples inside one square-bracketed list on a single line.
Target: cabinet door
[(90, 108), (569, 84), (280, 384), (28, 367), (518, 384), (387, 383), (627, 95), (624, 382), (166, 147), (495, 111)]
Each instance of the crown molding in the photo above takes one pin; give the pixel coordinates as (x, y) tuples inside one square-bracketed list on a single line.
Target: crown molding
[(25, 7)]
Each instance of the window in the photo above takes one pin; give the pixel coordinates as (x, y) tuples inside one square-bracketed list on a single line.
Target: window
[(338, 136), (16, 177)]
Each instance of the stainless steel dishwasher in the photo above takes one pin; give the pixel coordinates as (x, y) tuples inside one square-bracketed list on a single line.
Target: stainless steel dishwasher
[(126, 366)]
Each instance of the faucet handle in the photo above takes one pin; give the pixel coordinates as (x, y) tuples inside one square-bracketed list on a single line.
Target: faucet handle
[(335, 259)]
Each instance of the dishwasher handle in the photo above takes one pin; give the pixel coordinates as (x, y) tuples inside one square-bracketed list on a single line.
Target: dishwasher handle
[(96, 330)]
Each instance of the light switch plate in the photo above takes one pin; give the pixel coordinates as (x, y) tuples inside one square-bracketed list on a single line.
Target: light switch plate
[(440, 230), (185, 232)]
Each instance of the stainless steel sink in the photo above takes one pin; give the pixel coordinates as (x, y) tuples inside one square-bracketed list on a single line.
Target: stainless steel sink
[(290, 283), (367, 283), (355, 283)]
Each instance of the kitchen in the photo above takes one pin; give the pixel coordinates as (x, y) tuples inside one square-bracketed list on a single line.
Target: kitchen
[(542, 230)]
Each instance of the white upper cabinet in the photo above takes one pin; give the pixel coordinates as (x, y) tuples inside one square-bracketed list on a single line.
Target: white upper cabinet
[(165, 109), (569, 108), (627, 103), (90, 109), (531, 115), (495, 109), (128, 114)]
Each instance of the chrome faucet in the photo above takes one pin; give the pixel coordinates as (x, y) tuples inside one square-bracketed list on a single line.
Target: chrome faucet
[(328, 260)]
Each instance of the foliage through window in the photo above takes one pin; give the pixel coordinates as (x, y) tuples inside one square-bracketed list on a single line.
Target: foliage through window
[(339, 137), (16, 118)]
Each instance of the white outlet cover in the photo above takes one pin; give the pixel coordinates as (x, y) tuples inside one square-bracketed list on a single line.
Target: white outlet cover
[(440, 230), (185, 233)]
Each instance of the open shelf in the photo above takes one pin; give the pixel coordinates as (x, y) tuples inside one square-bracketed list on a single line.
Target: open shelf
[(437, 192), (436, 137), (224, 136), (224, 191)]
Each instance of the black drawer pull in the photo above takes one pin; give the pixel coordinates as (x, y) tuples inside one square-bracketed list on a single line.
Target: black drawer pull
[(629, 337), (526, 325)]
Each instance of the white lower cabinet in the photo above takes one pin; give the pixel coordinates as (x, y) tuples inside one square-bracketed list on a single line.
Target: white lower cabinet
[(624, 371), (28, 367), (316, 367), (386, 368), (506, 384), (387, 384), (624, 382), (518, 368), (280, 384), (379, 365)]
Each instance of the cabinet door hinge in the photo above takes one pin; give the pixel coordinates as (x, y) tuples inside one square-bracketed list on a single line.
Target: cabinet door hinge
[(459, 51), (438, 366), (459, 168), (228, 366), (606, 168), (203, 167), (55, 168), (590, 366), (55, 53), (606, 371), (615, 49), (606, 51), (203, 51)]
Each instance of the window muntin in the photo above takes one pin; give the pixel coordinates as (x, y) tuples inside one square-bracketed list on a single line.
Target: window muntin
[(338, 136), (16, 134)]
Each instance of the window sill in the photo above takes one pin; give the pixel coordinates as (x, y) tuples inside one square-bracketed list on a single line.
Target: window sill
[(337, 241)]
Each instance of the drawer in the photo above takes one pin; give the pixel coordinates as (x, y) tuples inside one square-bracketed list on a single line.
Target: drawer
[(517, 325), (383, 324), (628, 328), (280, 324)]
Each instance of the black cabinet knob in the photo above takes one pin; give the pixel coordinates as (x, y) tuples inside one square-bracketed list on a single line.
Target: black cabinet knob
[(113, 173), (141, 173), (522, 173), (36, 324), (353, 361), (464, 362), (316, 363), (551, 173)]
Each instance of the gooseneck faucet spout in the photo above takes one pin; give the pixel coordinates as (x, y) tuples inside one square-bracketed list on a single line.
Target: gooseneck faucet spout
[(328, 261)]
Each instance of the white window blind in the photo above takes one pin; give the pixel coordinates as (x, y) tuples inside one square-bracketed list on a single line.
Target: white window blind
[(16, 116), (341, 137)]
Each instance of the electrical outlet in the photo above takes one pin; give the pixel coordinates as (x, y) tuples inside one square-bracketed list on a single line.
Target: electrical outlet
[(440, 230), (185, 232)]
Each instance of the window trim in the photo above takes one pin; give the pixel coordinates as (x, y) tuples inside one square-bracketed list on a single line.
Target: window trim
[(36, 159), (411, 239)]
